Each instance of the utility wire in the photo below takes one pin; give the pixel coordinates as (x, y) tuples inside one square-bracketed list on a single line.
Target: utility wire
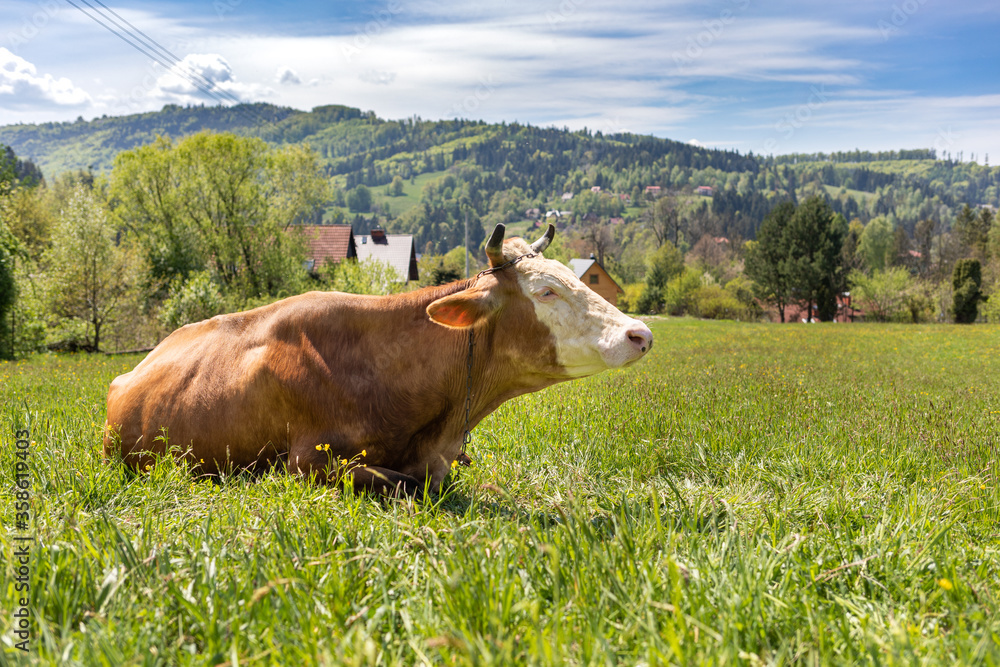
[(153, 50), (154, 45)]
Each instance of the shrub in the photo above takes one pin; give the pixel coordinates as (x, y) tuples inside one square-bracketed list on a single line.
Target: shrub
[(194, 300), (715, 303), (628, 302)]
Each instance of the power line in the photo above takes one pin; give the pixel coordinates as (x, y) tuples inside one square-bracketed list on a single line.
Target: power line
[(156, 46), (157, 53)]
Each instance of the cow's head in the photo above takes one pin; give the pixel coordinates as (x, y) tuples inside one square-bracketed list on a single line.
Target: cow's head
[(540, 304)]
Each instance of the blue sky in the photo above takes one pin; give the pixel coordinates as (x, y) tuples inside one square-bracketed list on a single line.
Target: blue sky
[(768, 77)]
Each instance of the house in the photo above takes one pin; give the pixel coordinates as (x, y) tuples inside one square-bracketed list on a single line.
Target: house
[(533, 214), (596, 278), (704, 190), (625, 197), (395, 249), (653, 190), (617, 221), (327, 243), (596, 189), (566, 196)]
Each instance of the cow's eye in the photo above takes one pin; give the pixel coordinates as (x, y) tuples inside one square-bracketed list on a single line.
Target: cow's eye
[(547, 294)]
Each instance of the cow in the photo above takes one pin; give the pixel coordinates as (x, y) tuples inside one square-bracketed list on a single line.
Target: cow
[(381, 389)]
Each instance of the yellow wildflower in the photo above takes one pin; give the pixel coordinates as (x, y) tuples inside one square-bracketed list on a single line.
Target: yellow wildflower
[(364, 452), (945, 584), (319, 448)]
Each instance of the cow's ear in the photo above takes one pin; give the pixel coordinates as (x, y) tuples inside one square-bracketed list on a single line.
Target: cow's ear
[(461, 310)]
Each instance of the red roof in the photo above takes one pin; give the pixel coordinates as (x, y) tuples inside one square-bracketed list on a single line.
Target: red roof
[(329, 243)]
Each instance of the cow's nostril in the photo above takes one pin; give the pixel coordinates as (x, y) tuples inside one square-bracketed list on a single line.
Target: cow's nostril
[(642, 339)]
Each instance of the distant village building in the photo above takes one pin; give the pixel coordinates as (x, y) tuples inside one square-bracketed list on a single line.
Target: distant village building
[(704, 190), (625, 197), (653, 190), (533, 214), (395, 249), (596, 189), (617, 221), (566, 196), (327, 243), (335, 243), (596, 278)]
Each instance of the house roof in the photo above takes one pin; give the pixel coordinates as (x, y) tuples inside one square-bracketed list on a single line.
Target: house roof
[(582, 266), (328, 243), (395, 249)]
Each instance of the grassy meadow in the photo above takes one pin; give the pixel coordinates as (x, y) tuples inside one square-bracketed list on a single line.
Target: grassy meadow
[(748, 494)]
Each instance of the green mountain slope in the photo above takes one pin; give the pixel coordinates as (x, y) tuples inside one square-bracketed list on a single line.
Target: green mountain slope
[(495, 172)]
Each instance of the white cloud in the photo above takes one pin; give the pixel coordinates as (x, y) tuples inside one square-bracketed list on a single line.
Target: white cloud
[(204, 77), (22, 88), (287, 75), (377, 77)]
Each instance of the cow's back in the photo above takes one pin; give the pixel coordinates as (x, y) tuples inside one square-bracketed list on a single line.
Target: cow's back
[(210, 384)]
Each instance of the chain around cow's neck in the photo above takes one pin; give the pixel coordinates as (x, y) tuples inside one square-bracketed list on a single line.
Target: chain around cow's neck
[(467, 435)]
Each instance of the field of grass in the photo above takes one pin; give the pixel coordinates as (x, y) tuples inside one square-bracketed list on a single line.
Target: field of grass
[(776, 494)]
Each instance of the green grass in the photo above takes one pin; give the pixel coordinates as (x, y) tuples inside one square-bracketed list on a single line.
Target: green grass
[(748, 494)]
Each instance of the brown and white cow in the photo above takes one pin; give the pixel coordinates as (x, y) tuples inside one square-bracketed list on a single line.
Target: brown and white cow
[(381, 381)]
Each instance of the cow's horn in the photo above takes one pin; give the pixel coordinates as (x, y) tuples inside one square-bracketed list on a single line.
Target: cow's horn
[(494, 247), (541, 244)]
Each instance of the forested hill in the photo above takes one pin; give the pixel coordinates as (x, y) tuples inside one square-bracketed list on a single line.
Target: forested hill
[(495, 172)]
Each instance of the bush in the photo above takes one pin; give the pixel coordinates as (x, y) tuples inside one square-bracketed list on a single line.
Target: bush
[(678, 293), (713, 302), (372, 276), (194, 300), (628, 302)]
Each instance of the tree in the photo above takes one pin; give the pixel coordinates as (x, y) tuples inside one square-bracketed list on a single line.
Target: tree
[(90, 274), (967, 280), (815, 267), (665, 221), (767, 259), (882, 295), (359, 200), (875, 244), (973, 230), (923, 237), (598, 236), (665, 264), (396, 187), (222, 203)]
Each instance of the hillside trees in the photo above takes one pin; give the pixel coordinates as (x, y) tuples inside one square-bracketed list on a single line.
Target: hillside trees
[(222, 203)]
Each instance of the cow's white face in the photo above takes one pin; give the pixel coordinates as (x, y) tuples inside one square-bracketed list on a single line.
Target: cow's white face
[(590, 334)]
